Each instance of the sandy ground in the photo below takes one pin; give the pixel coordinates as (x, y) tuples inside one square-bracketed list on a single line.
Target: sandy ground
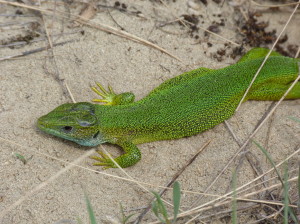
[(32, 85)]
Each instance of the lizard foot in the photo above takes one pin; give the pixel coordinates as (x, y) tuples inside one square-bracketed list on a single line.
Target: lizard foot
[(107, 95), (104, 160), (110, 97)]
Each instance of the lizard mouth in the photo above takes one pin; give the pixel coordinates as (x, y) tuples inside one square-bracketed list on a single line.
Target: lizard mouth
[(40, 124), (65, 132), (43, 125)]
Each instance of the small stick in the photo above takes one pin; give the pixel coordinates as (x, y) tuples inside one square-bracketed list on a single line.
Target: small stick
[(267, 56), (25, 53), (189, 162)]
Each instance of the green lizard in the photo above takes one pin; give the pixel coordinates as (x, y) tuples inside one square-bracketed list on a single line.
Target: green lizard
[(182, 106)]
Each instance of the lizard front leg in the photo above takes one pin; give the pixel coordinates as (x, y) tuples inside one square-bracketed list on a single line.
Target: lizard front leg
[(110, 97), (131, 156)]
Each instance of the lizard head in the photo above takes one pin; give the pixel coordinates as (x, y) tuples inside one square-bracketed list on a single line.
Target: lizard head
[(76, 122)]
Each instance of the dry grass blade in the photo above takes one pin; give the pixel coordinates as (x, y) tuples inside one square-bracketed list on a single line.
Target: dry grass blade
[(38, 187), (183, 22), (220, 199), (293, 179), (229, 200), (279, 5), (70, 93), (75, 164), (52, 57), (68, 167), (256, 168), (251, 157), (225, 213), (189, 162), (234, 215), (259, 184), (98, 26), (259, 127), (25, 53), (243, 198), (213, 203), (51, 179), (267, 56), (129, 177)]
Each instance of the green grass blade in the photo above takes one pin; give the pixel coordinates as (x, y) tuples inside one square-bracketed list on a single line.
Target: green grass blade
[(269, 159), (20, 157), (234, 201), (295, 119), (158, 207), (290, 211), (298, 188), (122, 212), (286, 196), (124, 218), (156, 212), (90, 209), (127, 218), (79, 221), (176, 199), (155, 209)]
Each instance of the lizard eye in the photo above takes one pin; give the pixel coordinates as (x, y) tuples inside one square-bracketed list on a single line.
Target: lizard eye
[(67, 129)]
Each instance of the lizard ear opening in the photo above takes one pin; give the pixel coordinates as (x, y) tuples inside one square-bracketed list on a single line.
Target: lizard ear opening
[(96, 135)]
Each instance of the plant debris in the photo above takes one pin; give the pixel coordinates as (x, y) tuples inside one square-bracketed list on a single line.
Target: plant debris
[(255, 35), (26, 38), (254, 32), (192, 22)]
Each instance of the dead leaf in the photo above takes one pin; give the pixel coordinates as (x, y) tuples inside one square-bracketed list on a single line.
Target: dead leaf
[(87, 13)]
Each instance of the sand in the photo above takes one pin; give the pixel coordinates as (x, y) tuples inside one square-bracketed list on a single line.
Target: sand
[(33, 85)]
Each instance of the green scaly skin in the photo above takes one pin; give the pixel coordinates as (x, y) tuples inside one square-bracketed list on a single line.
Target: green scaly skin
[(182, 106)]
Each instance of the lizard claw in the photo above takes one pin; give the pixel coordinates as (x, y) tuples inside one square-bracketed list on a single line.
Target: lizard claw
[(104, 160), (107, 95)]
